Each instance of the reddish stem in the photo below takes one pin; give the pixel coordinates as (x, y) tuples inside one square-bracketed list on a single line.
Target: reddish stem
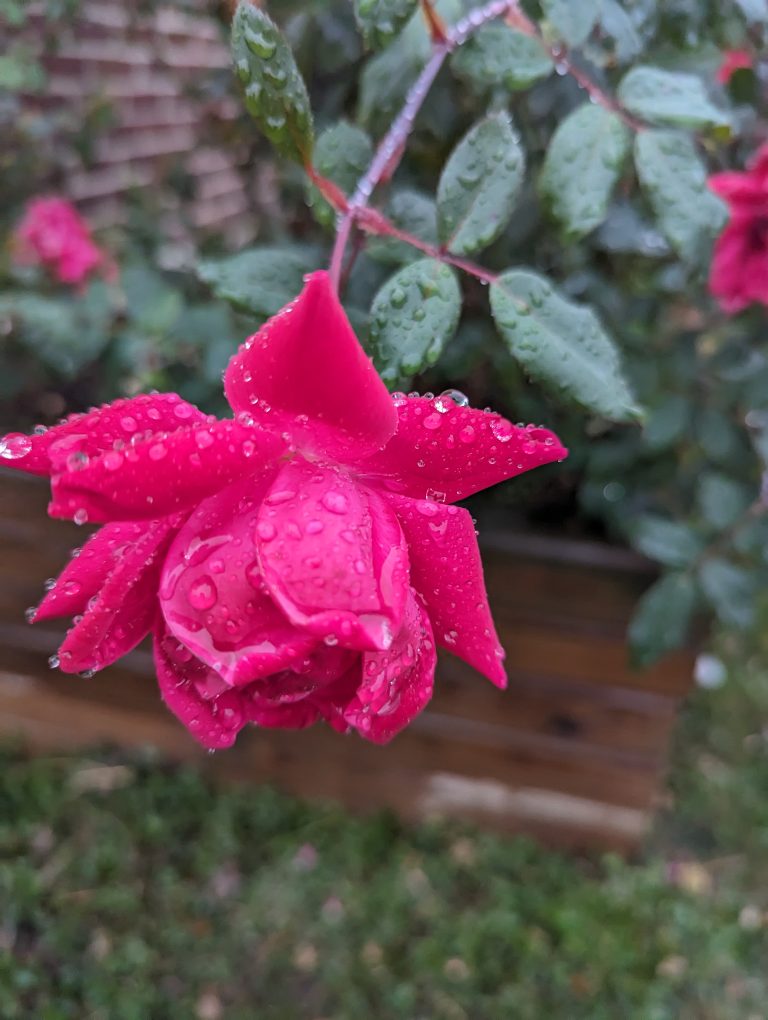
[(392, 146)]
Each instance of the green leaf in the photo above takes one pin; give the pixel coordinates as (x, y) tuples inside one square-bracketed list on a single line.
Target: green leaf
[(730, 590), (342, 153), (66, 334), (618, 26), (572, 20), (260, 280), (152, 306), (499, 55), (412, 317), (667, 422), (670, 542), (722, 501), (380, 20), (675, 181), (661, 620), (561, 344), (669, 97), (387, 77), (384, 84), (411, 211), (275, 93), (582, 165), (479, 184)]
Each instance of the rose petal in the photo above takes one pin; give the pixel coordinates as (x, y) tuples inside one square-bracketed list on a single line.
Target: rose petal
[(445, 452), (162, 475), (305, 373), (193, 692), (738, 189), (333, 556), (213, 596), (447, 572), (88, 570), (285, 717), (97, 431), (123, 611), (396, 684)]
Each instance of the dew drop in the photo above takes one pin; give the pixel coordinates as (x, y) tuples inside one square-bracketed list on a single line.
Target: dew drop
[(283, 496), (202, 594), (432, 422), (336, 502), (14, 446), (203, 439), (113, 460), (266, 530)]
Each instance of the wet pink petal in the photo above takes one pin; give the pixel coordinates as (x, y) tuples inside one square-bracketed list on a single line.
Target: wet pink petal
[(196, 694), (162, 475), (447, 572), (317, 674), (96, 432), (84, 575), (123, 612), (396, 684), (305, 373), (741, 190), (445, 452), (296, 716), (333, 556), (213, 596)]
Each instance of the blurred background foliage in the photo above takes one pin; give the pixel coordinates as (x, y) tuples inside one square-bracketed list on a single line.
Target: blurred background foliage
[(134, 889), (683, 486)]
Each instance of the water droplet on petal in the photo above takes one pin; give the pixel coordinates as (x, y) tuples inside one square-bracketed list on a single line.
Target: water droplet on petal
[(432, 422), (14, 446), (266, 530), (203, 439), (502, 430), (113, 460), (202, 594), (336, 502)]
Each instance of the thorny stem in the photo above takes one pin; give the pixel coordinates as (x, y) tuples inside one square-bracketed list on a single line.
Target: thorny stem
[(392, 146)]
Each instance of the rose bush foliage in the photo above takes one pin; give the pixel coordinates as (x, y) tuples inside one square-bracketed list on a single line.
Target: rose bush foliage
[(577, 154)]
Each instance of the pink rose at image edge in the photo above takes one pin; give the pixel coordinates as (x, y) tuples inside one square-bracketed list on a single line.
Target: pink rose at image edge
[(295, 563), (52, 233), (733, 60), (739, 272)]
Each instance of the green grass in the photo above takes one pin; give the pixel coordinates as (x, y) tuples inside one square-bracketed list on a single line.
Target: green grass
[(130, 890)]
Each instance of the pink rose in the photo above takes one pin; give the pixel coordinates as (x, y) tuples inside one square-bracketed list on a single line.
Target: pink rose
[(52, 233), (733, 60), (739, 272), (297, 562)]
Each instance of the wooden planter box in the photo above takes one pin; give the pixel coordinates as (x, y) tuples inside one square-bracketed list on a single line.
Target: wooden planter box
[(573, 752)]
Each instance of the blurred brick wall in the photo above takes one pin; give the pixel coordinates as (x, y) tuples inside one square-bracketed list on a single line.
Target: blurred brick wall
[(147, 67)]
